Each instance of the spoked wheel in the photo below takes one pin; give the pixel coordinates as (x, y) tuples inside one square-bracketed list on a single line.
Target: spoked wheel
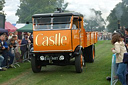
[(35, 65), (79, 63)]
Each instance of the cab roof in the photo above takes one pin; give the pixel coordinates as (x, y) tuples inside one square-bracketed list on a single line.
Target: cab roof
[(57, 14)]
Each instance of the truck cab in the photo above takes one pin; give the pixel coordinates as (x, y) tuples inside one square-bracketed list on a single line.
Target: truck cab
[(60, 39)]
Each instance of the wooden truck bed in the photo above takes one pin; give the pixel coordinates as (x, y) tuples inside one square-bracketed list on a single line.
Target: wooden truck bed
[(90, 38)]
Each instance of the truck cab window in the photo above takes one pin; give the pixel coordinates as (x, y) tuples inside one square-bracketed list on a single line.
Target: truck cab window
[(75, 23), (52, 23)]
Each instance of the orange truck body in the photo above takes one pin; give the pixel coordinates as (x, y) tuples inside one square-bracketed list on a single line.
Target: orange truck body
[(62, 40), (72, 41)]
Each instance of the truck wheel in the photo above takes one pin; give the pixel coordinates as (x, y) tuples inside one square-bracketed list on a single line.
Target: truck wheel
[(89, 54), (35, 65), (79, 63)]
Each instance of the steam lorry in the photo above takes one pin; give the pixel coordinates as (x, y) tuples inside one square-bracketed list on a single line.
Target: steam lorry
[(60, 39)]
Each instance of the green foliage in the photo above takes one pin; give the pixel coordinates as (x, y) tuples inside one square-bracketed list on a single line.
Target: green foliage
[(96, 22), (120, 12), (29, 7), (2, 4)]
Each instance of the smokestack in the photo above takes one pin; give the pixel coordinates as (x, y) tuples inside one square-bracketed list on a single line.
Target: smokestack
[(118, 24)]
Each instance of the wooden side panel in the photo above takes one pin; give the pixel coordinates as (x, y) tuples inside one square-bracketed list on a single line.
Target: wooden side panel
[(90, 38)]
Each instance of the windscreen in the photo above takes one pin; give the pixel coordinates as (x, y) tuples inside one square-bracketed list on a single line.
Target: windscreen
[(52, 23)]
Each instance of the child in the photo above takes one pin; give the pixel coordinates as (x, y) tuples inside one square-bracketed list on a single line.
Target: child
[(119, 49)]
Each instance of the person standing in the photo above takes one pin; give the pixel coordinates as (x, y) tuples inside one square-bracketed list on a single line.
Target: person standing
[(119, 49), (15, 34), (24, 47), (10, 35)]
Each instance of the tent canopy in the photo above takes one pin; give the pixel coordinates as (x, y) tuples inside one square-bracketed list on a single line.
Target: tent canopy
[(19, 25), (3, 31), (10, 27), (26, 28)]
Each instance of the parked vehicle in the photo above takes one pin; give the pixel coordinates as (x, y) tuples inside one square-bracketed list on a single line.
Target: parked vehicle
[(60, 39)]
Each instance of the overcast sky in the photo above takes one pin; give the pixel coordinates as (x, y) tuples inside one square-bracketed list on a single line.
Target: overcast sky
[(81, 6)]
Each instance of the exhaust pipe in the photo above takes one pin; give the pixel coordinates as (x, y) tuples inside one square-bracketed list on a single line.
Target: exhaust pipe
[(118, 24)]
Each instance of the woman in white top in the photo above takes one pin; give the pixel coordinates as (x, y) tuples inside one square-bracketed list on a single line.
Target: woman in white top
[(10, 35), (119, 49)]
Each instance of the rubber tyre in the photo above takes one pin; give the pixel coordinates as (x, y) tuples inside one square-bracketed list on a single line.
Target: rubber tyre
[(89, 54), (79, 63), (36, 68)]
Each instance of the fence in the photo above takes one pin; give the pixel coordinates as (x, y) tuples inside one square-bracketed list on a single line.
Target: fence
[(17, 54), (114, 78)]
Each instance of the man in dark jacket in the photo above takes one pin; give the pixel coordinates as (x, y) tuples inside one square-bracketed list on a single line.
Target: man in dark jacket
[(1, 57), (6, 53), (24, 47)]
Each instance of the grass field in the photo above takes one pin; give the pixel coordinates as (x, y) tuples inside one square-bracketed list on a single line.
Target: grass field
[(93, 74)]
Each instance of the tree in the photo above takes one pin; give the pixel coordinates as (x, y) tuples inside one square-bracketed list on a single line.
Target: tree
[(2, 4), (118, 13), (29, 7), (95, 22)]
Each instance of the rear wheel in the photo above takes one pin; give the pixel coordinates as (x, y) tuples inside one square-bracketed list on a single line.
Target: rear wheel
[(35, 65), (89, 54), (79, 63)]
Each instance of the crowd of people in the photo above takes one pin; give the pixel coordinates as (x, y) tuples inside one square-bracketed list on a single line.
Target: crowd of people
[(104, 36), (13, 49)]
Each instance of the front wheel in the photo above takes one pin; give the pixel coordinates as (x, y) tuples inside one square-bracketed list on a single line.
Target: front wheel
[(35, 65), (79, 63)]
